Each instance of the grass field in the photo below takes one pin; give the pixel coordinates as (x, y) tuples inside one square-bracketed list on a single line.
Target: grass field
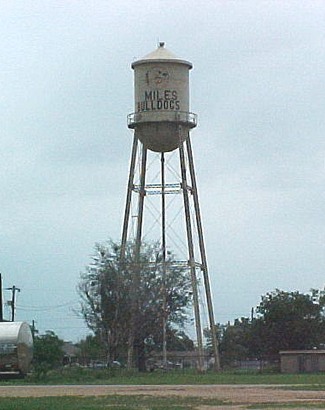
[(107, 402), (133, 403), (121, 376), (144, 402)]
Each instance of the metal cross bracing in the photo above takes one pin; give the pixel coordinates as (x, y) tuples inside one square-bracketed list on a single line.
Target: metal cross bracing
[(157, 189), (177, 227), (152, 191)]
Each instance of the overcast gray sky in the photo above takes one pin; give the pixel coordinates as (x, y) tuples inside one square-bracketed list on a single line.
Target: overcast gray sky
[(66, 88)]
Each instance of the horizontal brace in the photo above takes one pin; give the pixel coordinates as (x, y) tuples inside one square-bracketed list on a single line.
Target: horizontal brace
[(157, 189)]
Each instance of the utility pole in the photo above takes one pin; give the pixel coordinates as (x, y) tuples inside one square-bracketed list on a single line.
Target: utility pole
[(14, 289), (33, 328)]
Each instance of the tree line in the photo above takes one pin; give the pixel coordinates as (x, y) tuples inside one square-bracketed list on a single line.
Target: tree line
[(111, 306), (284, 320)]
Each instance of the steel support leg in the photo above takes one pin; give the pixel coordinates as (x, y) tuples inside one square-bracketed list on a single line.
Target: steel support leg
[(203, 257), (137, 250), (129, 197), (191, 258)]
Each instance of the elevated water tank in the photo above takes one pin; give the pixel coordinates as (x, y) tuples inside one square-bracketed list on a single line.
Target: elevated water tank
[(162, 117)]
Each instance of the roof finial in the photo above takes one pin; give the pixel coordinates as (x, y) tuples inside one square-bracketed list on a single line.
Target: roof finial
[(161, 44)]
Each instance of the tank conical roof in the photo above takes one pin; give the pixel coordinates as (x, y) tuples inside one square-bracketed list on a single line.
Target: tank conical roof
[(161, 54)]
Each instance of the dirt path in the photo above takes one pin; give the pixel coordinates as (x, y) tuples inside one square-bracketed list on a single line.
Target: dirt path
[(239, 395)]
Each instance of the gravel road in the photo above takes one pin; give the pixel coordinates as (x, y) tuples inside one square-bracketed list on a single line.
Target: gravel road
[(238, 395)]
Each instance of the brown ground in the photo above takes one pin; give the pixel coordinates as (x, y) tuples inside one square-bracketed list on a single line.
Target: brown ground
[(239, 395)]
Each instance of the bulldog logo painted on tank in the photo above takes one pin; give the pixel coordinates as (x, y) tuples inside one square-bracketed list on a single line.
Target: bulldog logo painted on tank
[(157, 75)]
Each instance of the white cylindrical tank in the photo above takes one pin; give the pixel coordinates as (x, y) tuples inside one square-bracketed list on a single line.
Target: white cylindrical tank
[(16, 347), (162, 117)]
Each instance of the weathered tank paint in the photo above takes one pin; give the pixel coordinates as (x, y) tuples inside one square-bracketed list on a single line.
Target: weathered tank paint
[(161, 100)]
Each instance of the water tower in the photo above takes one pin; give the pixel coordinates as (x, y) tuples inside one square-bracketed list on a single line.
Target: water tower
[(162, 122)]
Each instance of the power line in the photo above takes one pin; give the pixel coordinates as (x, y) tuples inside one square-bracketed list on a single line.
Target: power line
[(49, 307)]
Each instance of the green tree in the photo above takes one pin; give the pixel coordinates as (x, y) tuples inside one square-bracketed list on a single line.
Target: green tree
[(288, 321), (91, 349), (48, 353), (119, 295), (178, 340), (235, 342), (285, 321)]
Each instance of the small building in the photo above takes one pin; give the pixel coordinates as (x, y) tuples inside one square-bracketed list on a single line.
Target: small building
[(302, 361), (71, 353)]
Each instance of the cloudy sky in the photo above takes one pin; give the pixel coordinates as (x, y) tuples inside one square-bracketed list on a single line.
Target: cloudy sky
[(66, 87)]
